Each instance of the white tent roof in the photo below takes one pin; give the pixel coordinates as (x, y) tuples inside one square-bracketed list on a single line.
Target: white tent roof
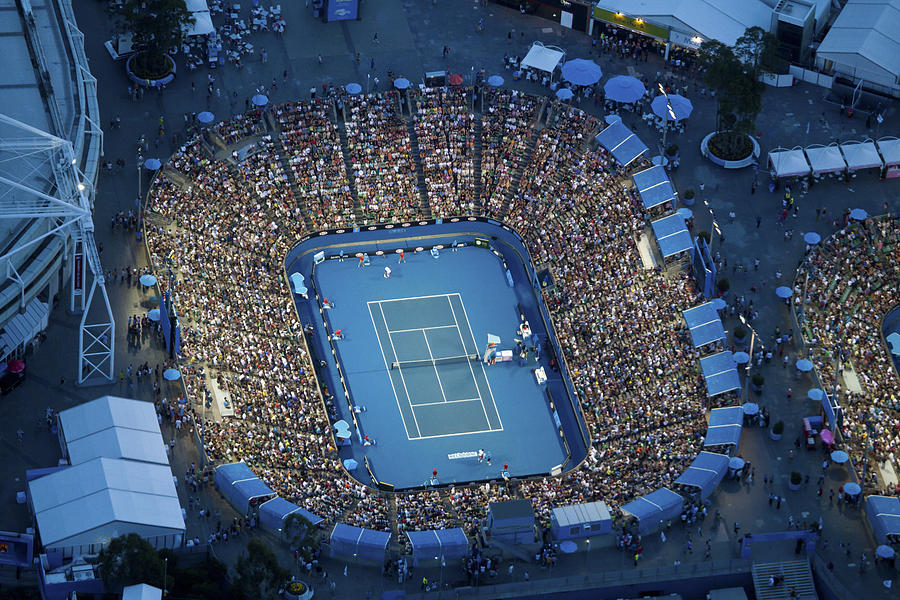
[(889, 148), (203, 24), (789, 163), (723, 20), (106, 412), (82, 501), (118, 442), (861, 155), (825, 159), (866, 37), (141, 591), (543, 58)]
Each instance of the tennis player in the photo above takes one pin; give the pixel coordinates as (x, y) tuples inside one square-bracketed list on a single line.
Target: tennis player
[(387, 272)]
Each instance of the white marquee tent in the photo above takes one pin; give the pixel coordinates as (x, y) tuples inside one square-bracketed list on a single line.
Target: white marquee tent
[(861, 155), (889, 148), (113, 427), (825, 159), (543, 58), (141, 591), (81, 508), (789, 163), (864, 42), (203, 24)]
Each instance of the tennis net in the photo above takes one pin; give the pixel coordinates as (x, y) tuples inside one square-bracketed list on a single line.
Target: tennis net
[(433, 362)]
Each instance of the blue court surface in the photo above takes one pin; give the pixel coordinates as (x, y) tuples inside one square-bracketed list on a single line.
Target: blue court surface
[(410, 355)]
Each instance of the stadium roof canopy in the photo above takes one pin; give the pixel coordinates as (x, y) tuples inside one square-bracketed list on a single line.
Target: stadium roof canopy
[(622, 143), (724, 426), (705, 473), (672, 235), (704, 324), (720, 373), (654, 186)]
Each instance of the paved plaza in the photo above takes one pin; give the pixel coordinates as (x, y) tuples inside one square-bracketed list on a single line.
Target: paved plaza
[(410, 39)]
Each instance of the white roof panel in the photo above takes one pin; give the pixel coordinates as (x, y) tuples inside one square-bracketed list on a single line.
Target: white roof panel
[(789, 163), (542, 58), (83, 497), (118, 442), (866, 35), (889, 148), (861, 155), (105, 412), (825, 159), (141, 591)]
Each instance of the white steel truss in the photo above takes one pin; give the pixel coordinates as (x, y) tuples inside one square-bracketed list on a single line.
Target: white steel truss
[(40, 179)]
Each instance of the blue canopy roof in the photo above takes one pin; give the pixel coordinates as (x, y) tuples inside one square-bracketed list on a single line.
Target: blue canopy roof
[(438, 543), (704, 324), (654, 186), (724, 426), (366, 544), (621, 142), (273, 513), (707, 470), (671, 235), (883, 513), (720, 372), (654, 508), (240, 485)]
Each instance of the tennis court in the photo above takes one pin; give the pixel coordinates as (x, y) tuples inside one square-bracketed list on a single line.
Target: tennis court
[(431, 356)]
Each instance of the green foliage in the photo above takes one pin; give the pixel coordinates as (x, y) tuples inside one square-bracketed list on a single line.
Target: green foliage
[(778, 428), (300, 534), (158, 26), (734, 75), (689, 193), (759, 380), (128, 560), (704, 235), (206, 581), (259, 576), (724, 285), (740, 332), (796, 477), (672, 150)]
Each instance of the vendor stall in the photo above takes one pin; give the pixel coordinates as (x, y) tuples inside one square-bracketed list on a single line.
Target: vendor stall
[(825, 159), (860, 156), (788, 163)]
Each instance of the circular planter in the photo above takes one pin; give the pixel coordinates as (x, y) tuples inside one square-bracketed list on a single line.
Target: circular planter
[(159, 82), (729, 164), (794, 487), (688, 201), (301, 592), (757, 389), (774, 436), (739, 341)]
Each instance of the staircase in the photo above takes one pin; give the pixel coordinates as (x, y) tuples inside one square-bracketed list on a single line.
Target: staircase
[(304, 210), (348, 165), (797, 576), (420, 172), (479, 145), (520, 171)]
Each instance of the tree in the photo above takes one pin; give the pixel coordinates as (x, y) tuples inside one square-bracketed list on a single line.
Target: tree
[(129, 560), (158, 26), (259, 576), (299, 534), (733, 73)]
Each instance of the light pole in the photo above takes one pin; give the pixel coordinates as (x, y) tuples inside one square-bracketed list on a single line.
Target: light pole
[(587, 554), (670, 112), (749, 362), (714, 226)]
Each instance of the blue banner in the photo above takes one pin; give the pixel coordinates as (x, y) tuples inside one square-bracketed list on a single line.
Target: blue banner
[(342, 10)]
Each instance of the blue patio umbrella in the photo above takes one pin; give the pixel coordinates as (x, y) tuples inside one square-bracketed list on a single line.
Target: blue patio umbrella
[(812, 237), (741, 358), (259, 100), (884, 551), (804, 365), (153, 314), (401, 83), (784, 291), (171, 374), (624, 88), (859, 214), (852, 488), (581, 71), (750, 408), (568, 547), (564, 93), (736, 462), (353, 88), (718, 304), (815, 394), (350, 464), (205, 117), (152, 163), (685, 212), (840, 457), (495, 80), (342, 425), (681, 106), (148, 279)]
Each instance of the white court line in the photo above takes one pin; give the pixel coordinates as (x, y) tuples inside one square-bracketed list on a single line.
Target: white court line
[(428, 437), (408, 398), (446, 402), (465, 351), (471, 333), (434, 365), (420, 328), (412, 298)]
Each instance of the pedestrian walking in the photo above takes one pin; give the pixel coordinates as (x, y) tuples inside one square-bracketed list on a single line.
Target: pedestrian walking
[(375, 40), (758, 221)]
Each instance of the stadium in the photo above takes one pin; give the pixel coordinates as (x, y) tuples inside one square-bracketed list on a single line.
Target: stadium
[(351, 335)]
